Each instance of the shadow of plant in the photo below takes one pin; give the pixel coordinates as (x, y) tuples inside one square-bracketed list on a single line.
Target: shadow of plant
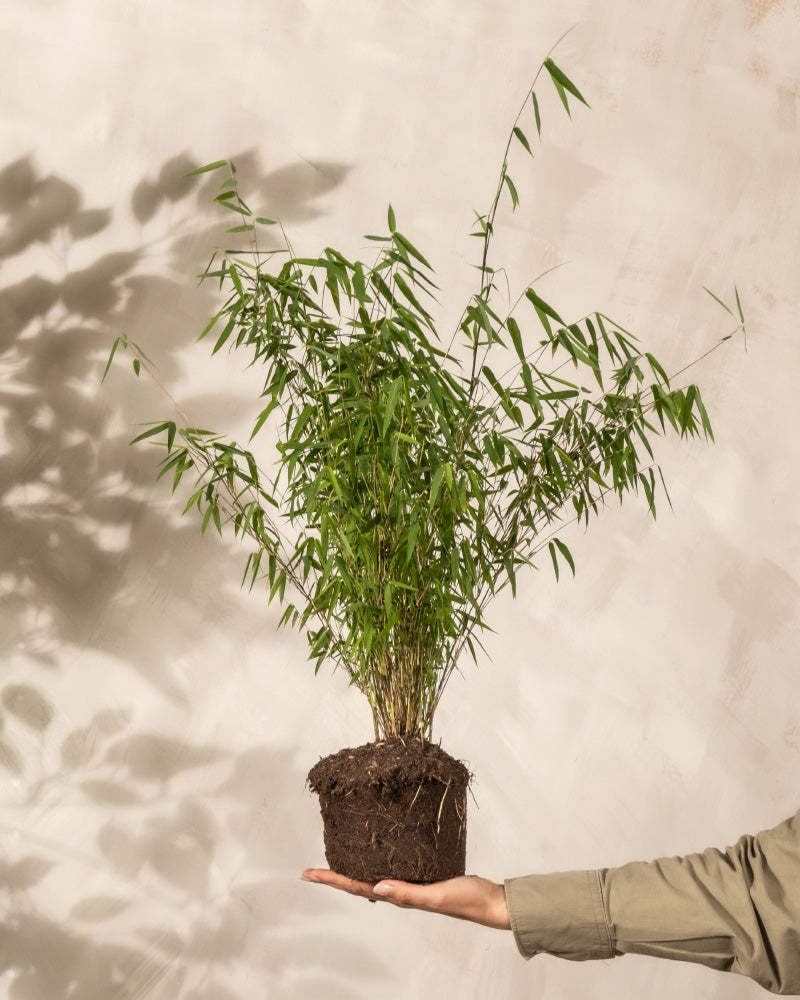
[(78, 526), (167, 850), (136, 863)]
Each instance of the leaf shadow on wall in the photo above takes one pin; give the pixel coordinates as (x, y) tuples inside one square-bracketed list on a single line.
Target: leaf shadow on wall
[(136, 862), (164, 852), (82, 538)]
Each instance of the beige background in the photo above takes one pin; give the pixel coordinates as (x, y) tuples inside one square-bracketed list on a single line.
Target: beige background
[(156, 730)]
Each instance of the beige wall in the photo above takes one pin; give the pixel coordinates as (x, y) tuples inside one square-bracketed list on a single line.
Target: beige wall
[(156, 730)]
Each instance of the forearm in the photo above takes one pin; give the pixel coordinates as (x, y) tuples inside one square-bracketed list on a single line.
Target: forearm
[(737, 910)]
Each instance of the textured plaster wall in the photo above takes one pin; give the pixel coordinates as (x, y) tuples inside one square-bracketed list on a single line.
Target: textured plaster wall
[(156, 730)]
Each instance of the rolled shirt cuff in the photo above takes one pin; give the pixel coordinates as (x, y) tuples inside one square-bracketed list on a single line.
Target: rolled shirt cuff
[(559, 913)]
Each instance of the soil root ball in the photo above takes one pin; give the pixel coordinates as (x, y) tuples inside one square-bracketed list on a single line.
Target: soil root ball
[(396, 808)]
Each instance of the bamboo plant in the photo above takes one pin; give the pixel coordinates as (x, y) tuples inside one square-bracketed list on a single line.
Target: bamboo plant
[(415, 478)]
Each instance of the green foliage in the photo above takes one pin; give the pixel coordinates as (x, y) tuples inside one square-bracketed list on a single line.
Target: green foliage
[(408, 491)]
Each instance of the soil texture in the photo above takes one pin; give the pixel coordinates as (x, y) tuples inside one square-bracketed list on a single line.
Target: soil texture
[(396, 808)]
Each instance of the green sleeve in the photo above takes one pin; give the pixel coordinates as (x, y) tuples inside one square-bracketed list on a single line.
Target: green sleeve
[(736, 910)]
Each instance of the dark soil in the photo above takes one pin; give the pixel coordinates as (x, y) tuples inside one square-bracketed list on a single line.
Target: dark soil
[(393, 809)]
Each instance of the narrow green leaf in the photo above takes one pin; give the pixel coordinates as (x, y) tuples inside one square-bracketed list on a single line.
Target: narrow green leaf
[(718, 300), (240, 208), (536, 114), (136, 366), (508, 565), (121, 340), (738, 304), (542, 307), (229, 327), (411, 541), (206, 518), (392, 221), (266, 222), (523, 139), (262, 417), (657, 368), (512, 191), (211, 324), (559, 76), (516, 337), (205, 169), (436, 485), (334, 480), (237, 281), (704, 419), (391, 404), (406, 290), (171, 463), (408, 245), (563, 95), (494, 382), (565, 552), (664, 487), (554, 557), (685, 416), (194, 500), (152, 432)]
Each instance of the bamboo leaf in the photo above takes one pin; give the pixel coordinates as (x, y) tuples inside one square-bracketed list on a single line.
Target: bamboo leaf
[(409, 246), (536, 113), (542, 307), (262, 417), (411, 540), (511, 190), (738, 304), (237, 281), (664, 487), (223, 337), (522, 138), (394, 393), (121, 341), (718, 300), (153, 431), (563, 95), (436, 485), (211, 324), (171, 463), (516, 337), (657, 368), (558, 76), (704, 419), (206, 168), (565, 552)]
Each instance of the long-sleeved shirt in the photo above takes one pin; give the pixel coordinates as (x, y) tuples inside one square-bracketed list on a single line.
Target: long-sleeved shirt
[(736, 910)]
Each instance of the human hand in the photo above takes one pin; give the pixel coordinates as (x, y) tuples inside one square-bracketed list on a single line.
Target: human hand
[(468, 897)]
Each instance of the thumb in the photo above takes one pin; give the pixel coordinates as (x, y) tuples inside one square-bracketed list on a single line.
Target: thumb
[(385, 889), (402, 893)]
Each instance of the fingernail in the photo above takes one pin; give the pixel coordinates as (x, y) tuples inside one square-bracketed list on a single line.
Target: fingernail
[(309, 878), (382, 889)]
